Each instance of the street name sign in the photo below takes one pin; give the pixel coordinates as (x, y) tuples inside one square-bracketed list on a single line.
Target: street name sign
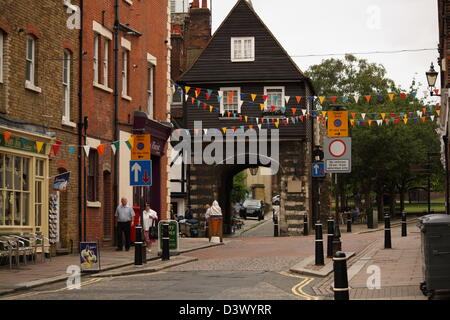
[(337, 124), (318, 169), (338, 155), (140, 173), (141, 148)]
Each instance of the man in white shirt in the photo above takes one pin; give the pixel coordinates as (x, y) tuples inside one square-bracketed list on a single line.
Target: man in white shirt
[(125, 215)]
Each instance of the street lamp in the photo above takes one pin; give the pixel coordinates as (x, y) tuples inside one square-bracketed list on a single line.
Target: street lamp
[(431, 79), (254, 171)]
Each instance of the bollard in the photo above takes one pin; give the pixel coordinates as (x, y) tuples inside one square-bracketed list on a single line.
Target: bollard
[(341, 290), (404, 225), (387, 232), (305, 224), (165, 242), (319, 245), (337, 244), (275, 226), (138, 246), (330, 232), (349, 225)]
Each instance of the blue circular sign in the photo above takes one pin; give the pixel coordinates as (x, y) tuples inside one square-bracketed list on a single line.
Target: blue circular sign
[(140, 146), (337, 123)]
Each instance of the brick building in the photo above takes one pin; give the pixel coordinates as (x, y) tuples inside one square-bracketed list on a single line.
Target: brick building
[(136, 97), (39, 107)]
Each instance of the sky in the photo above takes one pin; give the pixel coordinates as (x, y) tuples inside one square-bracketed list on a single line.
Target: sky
[(344, 26)]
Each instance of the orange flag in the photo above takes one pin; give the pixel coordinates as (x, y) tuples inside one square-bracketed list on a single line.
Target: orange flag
[(298, 99), (352, 122), (353, 115), (101, 149), (7, 135), (294, 110), (368, 98)]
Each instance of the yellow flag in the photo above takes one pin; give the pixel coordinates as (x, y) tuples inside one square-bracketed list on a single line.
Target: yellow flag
[(324, 113), (391, 96), (438, 112), (277, 124), (352, 122), (246, 118), (383, 115), (253, 97), (39, 146), (370, 123), (131, 142), (261, 106), (210, 108), (322, 99), (187, 89), (405, 120), (224, 130)]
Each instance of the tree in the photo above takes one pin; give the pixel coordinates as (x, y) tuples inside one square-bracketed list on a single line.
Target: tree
[(239, 188), (381, 155)]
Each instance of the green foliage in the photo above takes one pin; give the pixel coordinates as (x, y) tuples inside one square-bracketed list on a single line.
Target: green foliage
[(382, 155), (239, 188)]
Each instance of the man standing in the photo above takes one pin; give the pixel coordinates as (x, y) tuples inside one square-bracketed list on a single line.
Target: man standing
[(124, 214)]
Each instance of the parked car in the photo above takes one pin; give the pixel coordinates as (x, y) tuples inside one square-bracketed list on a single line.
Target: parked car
[(276, 200), (252, 208)]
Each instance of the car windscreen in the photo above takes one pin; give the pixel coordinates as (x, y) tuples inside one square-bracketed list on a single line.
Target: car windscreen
[(252, 203)]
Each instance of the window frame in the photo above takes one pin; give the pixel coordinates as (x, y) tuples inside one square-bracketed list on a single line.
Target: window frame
[(225, 96), (2, 46), (151, 90), (283, 94), (67, 88), (125, 72), (32, 61), (92, 192), (242, 40), (105, 64), (96, 57)]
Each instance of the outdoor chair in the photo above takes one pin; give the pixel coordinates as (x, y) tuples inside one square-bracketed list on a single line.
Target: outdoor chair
[(6, 250), (41, 245), (28, 246), (14, 247)]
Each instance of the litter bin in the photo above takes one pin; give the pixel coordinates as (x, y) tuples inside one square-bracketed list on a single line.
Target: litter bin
[(435, 248), (215, 227)]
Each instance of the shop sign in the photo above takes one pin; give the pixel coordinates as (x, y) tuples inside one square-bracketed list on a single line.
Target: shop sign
[(20, 144)]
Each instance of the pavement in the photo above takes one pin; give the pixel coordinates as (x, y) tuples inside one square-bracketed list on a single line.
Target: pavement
[(56, 269)]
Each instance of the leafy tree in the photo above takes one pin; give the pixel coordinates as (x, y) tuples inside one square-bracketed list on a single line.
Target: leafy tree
[(381, 155), (239, 188)]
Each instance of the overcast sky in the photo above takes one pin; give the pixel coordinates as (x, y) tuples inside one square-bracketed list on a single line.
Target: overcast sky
[(340, 26)]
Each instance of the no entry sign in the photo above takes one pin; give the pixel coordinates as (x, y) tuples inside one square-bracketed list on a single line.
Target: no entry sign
[(338, 155)]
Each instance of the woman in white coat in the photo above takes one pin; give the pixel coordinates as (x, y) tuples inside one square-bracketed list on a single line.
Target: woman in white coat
[(150, 216)]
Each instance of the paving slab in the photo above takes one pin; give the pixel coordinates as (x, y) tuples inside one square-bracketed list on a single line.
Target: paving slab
[(307, 266)]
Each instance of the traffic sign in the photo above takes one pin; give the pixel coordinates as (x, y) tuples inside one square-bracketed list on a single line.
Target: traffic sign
[(318, 169), (338, 155), (337, 124), (141, 148), (140, 173)]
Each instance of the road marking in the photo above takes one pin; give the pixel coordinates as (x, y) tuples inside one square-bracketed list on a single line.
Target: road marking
[(136, 275), (298, 288), (29, 294)]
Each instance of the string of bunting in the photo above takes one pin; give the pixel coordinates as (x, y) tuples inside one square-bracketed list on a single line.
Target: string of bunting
[(55, 147)]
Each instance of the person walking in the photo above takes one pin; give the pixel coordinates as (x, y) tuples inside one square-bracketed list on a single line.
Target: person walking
[(124, 214), (150, 217)]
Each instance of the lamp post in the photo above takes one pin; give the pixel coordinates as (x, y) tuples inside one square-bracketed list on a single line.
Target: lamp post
[(431, 79)]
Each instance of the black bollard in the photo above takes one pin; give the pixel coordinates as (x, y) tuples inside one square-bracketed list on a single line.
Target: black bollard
[(305, 224), (341, 290), (387, 232), (319, 245), (404, 225), (138, 246), (165, 242), (349, 225), (275, 226), (330, 231), (337, 244)]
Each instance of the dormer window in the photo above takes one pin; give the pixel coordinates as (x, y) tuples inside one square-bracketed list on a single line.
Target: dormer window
[(242, 49)]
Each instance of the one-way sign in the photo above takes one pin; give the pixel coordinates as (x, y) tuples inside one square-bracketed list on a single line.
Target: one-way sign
[(318, 169), (140, 173)]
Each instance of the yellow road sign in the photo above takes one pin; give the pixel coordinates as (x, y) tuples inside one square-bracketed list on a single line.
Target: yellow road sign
[(142, 148), (337, 124)]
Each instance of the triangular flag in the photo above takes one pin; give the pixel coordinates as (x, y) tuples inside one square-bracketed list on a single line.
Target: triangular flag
[(197, 92), (363, 115), (352, 122), (432, 118), (294, 110), (391, 96), (436, 91), (246, 118), (321, 99), (264, 97), (304, 111), (116, 144), (39, 146), (353, 115), (210, 108), (405, 120), (101, 149), (56, 146), (423, 118), (379, 122), (71, 150), (86, 150), (7, 135), (224, 130), (333, 99), (368, 98), (259, 126), (370, 122), (261, 106), (243, 95), (253, 97), (298, 98), (438, 112), (287, 98), (324, 113), (277, 124), (403, 95), (130, 143), (345, 99), (187, 89), (383, 115), (186, 96), (356, 96)]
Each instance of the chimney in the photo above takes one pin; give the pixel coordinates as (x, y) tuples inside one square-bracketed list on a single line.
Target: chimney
[(204, 4), (196, 4), (198, 31)]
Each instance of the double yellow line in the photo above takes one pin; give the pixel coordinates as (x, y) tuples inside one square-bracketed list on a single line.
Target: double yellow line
[(298, 288)]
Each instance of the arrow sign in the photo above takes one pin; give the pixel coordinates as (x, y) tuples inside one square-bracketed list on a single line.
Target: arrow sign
[(136, 168), (140, 173), (318, 169)]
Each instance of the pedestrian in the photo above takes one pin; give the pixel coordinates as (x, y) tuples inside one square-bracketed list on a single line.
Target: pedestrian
[(237, 208), (215, 209), (207, 214), (150, 217), (188, 214), (125, 215)]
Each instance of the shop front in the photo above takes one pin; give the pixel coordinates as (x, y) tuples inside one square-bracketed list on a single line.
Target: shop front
[(24, 185), (160, 133)]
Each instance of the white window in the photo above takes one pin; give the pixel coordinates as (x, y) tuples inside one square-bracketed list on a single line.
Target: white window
[(242, 49), (150, 90), (275, 98), (66, 86), (31, 59), (125, 57), (2, 36), (231, 100), (96, 56), (105, 62)]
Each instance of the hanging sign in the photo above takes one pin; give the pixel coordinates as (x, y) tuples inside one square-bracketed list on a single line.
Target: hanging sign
[(337, 124), (61, 181), (141, 148)]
